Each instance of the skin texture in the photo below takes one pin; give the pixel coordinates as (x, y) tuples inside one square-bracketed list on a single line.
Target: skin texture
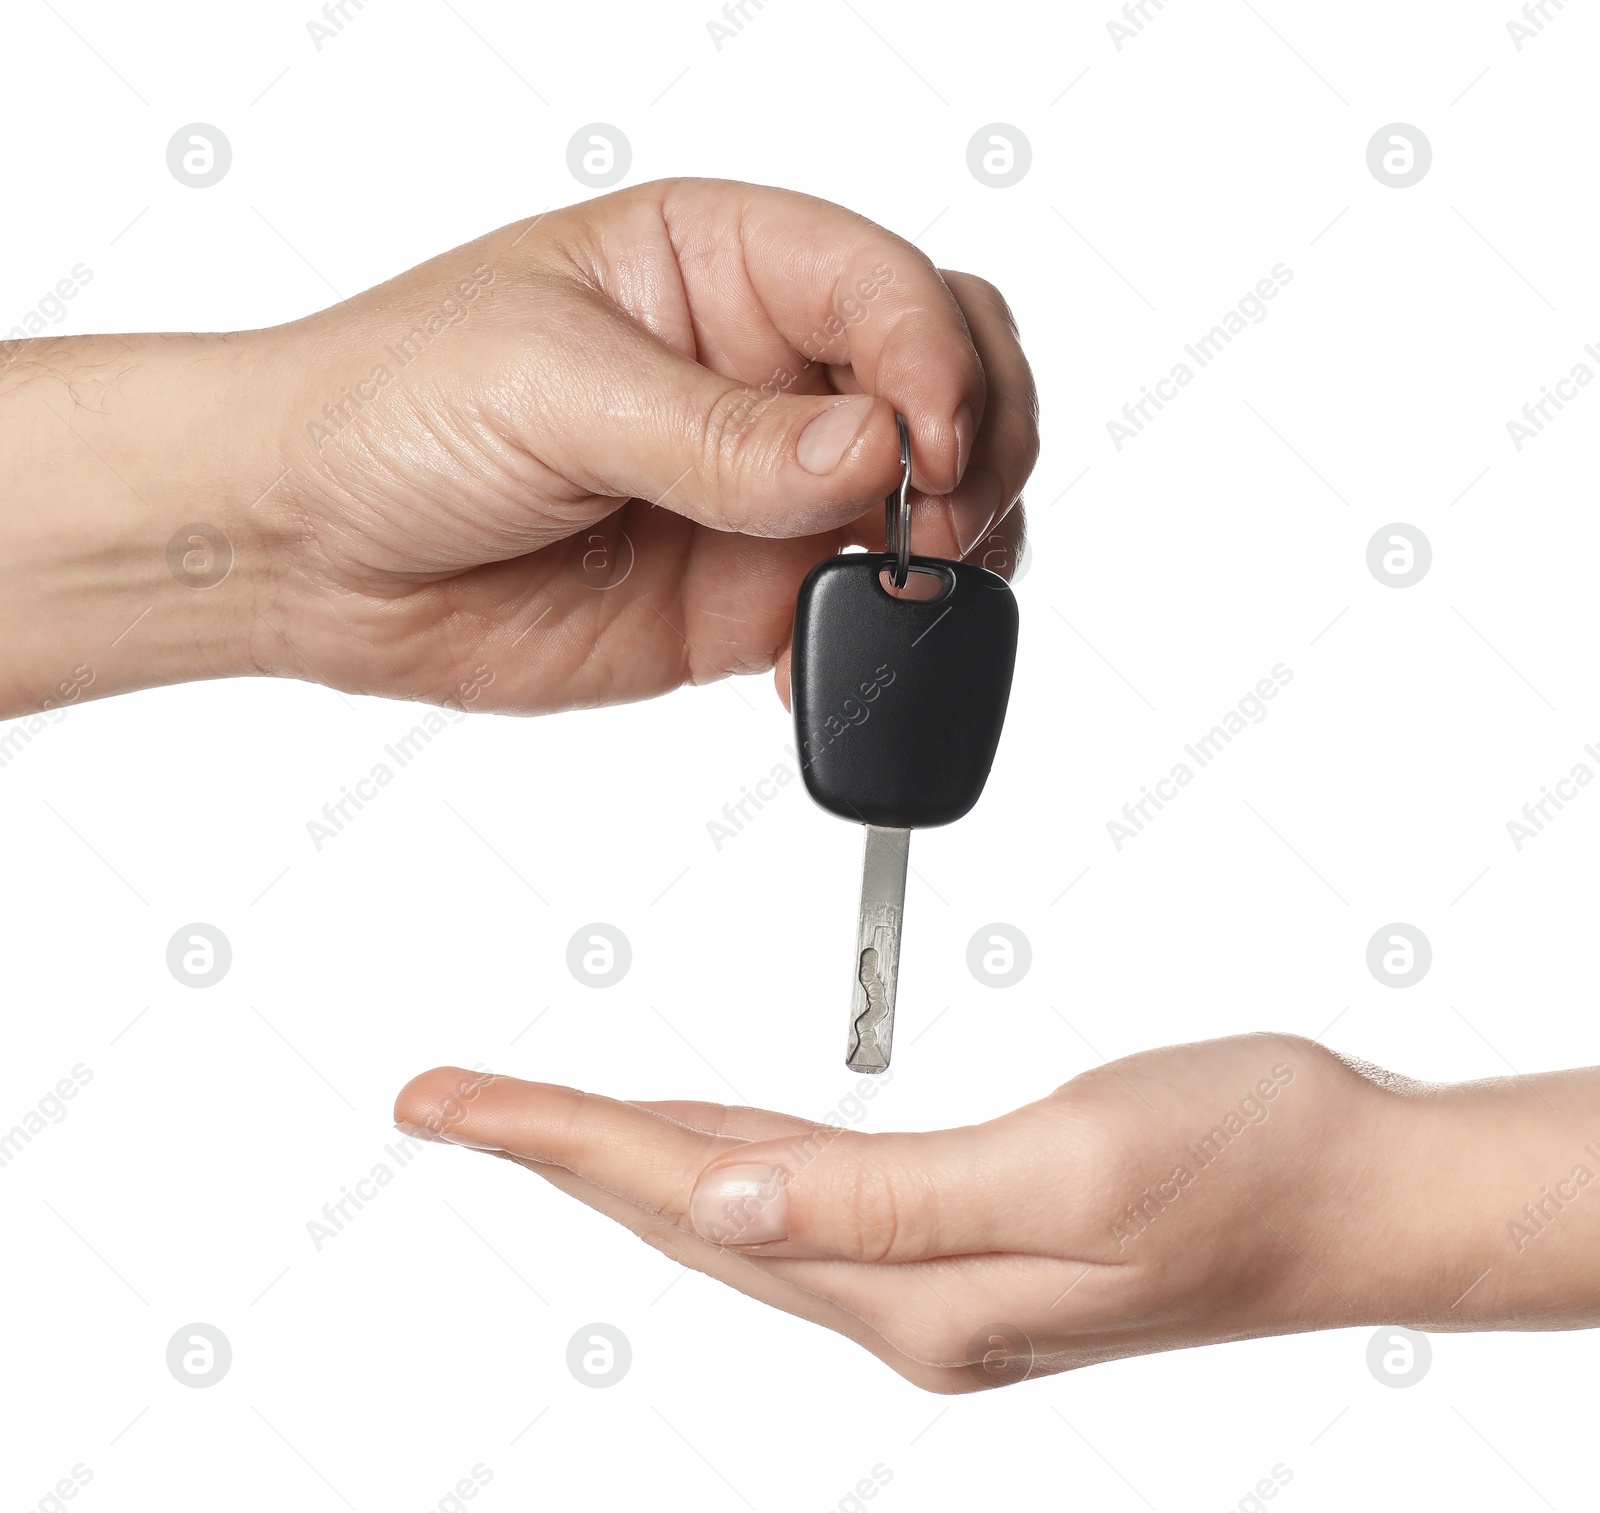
[(427, 488), (1061, 1234)]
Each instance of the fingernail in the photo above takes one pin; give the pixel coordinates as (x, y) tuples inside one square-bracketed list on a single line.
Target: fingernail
[(741, 1205), (828, 437), (441, 1136), (973, 507)]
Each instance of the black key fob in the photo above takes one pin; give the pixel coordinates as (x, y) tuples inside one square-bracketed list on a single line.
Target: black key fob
[(899, 702)]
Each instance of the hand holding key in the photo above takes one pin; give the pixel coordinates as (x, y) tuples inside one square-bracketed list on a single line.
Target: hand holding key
[(1235, 1188), (584, 459)]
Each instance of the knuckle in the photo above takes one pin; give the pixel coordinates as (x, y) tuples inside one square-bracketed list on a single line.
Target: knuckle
[(727, 441), (1024, 448), (871, 1225), (890, 1212), (997, 302), (1014, 416), (1002, 308), (1093, 1139), (567, 1114), (978, 289), (983, 288), (1093, 1131)]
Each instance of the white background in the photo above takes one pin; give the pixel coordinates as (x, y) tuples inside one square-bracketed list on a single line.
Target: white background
[(1167, 578)]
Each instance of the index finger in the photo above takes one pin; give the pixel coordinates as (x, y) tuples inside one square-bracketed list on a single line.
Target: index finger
[(821, 1191), (839, 291), (728, 1119), (649, 1158)]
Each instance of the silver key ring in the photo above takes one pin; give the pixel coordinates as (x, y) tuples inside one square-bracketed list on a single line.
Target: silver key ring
[(897, 512)]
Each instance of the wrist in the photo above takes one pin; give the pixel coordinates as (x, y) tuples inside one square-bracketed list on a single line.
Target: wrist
[(129, 553)]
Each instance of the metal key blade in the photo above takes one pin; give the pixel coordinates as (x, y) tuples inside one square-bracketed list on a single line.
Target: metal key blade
[(877, 964)]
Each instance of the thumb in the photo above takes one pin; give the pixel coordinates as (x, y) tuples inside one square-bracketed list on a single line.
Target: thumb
[(648, 422), (845, 1195)]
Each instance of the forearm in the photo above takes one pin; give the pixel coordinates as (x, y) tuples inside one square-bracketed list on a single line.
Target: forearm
[(1494, 1220), (109, 446)]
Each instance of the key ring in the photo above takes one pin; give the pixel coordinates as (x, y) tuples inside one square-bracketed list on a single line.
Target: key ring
[(897, 512)]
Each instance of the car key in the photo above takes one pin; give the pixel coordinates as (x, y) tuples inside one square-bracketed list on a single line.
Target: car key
[(898, 707)]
